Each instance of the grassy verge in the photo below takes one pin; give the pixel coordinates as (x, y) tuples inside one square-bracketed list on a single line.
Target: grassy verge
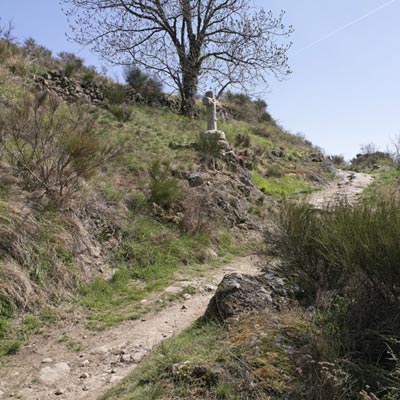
[(346, 264), (144, 263), (13, 333), (287, 185), (248, 360)]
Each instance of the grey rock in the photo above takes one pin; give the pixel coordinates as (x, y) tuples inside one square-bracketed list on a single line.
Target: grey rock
[(195, 180), (84, 363), (241, 293), (49, 375)]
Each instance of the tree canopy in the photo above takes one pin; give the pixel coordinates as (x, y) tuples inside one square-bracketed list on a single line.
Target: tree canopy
[(190, 44)]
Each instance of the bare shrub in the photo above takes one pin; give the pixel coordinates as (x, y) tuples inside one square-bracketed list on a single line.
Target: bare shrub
[(196, 214), (7, 38), (52, 147)]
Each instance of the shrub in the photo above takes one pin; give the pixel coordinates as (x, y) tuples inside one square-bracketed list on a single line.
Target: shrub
[(7, 39), (37, 52), (165, 190), (339, 161), (210, 150), (196, 215), (116, 94), (143, 84), (121, 112), (346, 263), (71, 63), (243, 108), (89, 74), (51, 147)]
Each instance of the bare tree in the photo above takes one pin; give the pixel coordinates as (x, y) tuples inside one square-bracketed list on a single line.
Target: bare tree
[(223, 42), (394, 151)]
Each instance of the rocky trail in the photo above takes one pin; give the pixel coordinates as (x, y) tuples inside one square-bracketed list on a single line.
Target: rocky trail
[(47, 369), (346, 188)]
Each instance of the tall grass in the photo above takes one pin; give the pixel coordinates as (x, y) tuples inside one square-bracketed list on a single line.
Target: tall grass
[(346, 263)]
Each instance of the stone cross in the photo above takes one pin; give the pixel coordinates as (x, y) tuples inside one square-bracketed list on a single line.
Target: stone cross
[(211, 102)]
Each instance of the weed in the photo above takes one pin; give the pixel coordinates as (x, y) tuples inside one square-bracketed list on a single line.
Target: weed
[(71, 344), (116, 93), (165, 190), (121, 112)]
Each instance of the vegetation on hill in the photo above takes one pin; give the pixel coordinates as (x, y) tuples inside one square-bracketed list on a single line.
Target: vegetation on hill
[(106, 193), (103, 197)]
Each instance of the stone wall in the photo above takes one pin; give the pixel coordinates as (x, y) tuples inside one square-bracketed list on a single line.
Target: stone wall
[(71, 89)]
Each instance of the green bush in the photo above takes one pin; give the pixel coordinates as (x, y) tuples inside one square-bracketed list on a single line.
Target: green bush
[(116, 93), (165, 190), (71, 64), (143, 84), (242, 107), (346, 264), (339, 161), (52, 146), (121, 112)]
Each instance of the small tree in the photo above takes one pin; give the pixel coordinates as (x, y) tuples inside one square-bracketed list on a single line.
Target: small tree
[(218, 43), (145, 85)]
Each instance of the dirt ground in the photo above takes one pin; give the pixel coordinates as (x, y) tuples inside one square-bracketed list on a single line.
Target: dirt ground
[(346, 188)]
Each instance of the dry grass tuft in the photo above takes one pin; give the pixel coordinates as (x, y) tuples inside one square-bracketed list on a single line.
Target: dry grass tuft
[(15, 285)]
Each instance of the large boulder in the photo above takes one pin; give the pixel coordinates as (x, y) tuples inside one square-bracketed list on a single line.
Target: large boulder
[(239, 293)]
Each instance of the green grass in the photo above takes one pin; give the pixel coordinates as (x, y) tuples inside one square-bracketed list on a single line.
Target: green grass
[(284, 186), (386, 183), (13, 333), (153, 379), (346, 263), (145, 262), (241, 372)]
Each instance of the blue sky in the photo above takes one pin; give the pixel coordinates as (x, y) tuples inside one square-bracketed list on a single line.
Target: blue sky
[(344, 90)]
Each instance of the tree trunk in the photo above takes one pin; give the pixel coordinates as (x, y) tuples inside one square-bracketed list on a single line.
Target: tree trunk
[(188, 94)]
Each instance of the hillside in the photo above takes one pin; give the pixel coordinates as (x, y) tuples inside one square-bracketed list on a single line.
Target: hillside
[(138, 257), (104, 197)]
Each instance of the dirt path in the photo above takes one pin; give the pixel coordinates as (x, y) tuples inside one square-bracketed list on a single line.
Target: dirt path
[(347, 187), (46, 369)]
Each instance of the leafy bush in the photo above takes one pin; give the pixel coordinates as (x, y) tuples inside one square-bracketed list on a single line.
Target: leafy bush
[(116, 94), (243, 108), (89, 74), (143, 84), (346, 263), (210, 150), (71, 63), (339, 161), (121, 112), (36, 51), (51, 147), (165, 190)]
